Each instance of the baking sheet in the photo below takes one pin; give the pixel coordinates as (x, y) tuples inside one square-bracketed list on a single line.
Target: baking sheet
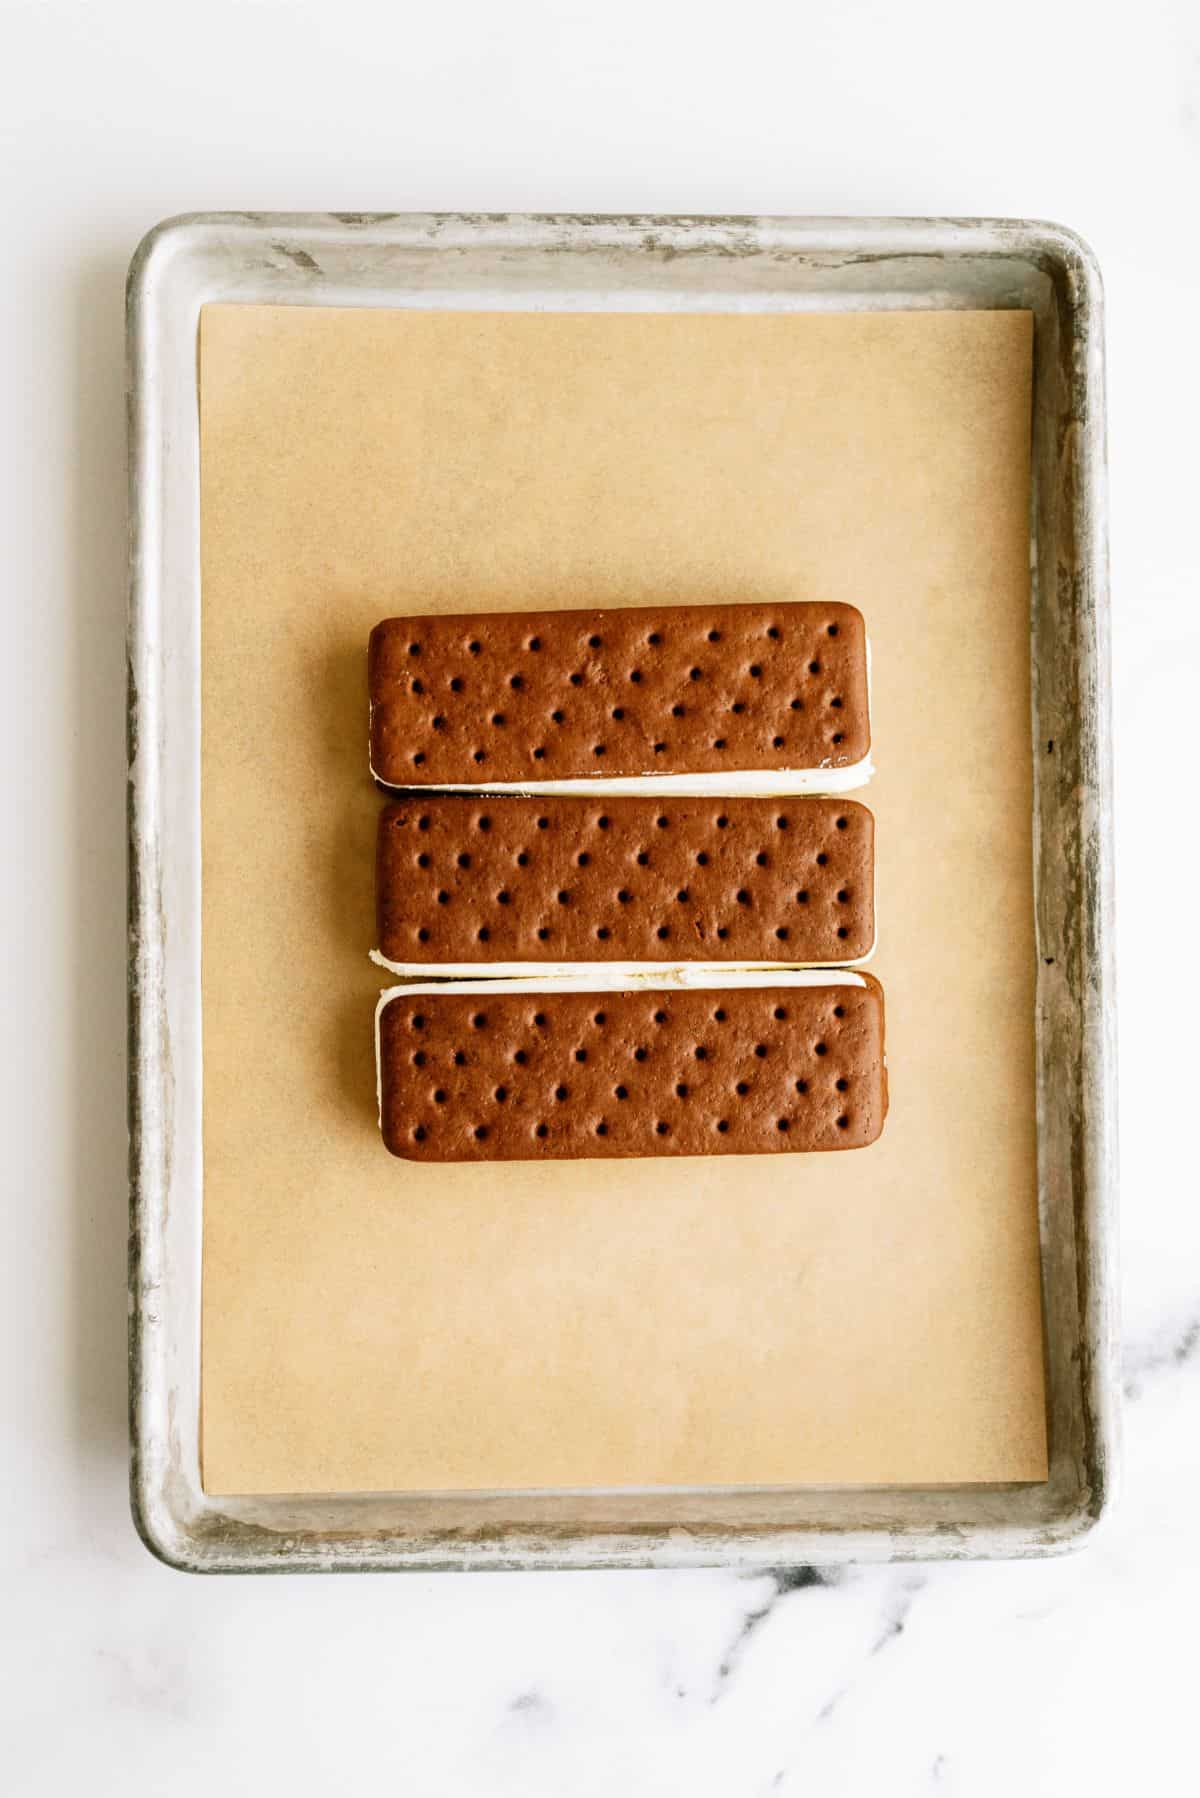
[(873, 1318)]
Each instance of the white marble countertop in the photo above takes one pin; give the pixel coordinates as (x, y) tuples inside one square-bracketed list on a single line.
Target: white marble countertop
[(115, 1674)]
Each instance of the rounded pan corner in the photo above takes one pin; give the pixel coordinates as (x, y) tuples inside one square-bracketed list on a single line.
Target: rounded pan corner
[(191, 247), (163, 1533), (159, 244), (1070, 254), (1077, 1527)]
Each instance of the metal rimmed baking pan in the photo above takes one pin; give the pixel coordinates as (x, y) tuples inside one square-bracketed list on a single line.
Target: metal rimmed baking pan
[(636, 264)]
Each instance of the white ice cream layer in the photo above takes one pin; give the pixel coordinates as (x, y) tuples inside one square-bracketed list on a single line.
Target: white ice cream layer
[(747, 783), (590, 971)]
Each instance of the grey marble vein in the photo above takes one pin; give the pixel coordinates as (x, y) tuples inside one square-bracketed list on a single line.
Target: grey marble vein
[(897, 1613), (783, 1580), (532, 1705), (1143, 1361)]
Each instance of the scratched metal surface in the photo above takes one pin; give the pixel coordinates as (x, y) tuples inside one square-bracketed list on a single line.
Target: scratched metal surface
[(565, 263)]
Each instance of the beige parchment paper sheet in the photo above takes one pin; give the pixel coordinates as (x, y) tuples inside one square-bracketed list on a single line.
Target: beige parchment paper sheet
[(867, 1317)]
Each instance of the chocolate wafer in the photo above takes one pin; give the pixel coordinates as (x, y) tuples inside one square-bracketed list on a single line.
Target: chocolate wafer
[(505, 883), (532, 1071), (761, 698)]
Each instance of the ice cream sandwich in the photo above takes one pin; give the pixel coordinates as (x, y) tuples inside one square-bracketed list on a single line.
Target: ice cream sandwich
[(505, 885), (745, 1064), (719, 699)]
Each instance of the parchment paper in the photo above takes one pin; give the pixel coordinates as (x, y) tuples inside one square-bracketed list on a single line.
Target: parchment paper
[(867, 1317)]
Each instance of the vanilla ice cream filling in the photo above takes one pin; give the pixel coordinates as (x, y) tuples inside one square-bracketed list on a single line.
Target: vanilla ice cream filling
[(747, 783), (592, 971)]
